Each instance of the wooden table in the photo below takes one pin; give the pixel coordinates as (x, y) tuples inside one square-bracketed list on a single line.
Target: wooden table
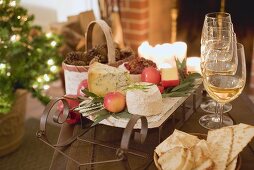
[(242, 112)]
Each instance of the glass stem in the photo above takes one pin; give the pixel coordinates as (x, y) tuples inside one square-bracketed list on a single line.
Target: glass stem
[(220, 111)]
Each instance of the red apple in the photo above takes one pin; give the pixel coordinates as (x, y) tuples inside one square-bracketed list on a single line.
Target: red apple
[(161, 88), (82, 85), (169, 77), (71, 100), (151, 75), (73, 117), (114, 102)]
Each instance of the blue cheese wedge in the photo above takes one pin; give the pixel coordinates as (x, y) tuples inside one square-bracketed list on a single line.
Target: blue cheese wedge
[(103, 78), (146, 102)]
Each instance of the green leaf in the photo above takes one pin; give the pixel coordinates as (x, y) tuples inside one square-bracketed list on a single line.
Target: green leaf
[(88, 93), (100, 116), (124, 114), (182, 85)]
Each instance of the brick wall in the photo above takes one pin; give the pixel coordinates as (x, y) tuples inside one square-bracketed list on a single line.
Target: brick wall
[(135, 21)]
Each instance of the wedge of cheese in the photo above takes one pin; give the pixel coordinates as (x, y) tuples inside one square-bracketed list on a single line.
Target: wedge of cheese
[(103, 79)]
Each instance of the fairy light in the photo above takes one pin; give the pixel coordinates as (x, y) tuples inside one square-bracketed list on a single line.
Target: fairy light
[(18, 17), (53, 68), (35, 86), (50, 62), (2, 66), (49, 34), (39, 79), (53, 43), (13, 38), (46, 77), (12, 3), (8, 74), (46, 87)]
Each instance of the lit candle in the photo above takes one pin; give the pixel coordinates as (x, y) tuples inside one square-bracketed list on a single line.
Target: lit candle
[(145, 50), (180, 50), (193, 64)]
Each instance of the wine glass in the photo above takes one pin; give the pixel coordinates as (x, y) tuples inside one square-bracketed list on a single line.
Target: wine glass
[(213, 18), (219, 48), (224, 86)]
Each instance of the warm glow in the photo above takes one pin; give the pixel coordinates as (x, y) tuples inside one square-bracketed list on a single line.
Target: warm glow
[(46, 87), (53, 43), (193, 64), (163, 53), (53, 68), (50, 62), (180, 50), (46, 77), (39, 79), (12, 3), (2, 66), (49, 34), (13, 38), (145, 50), (164, 65)]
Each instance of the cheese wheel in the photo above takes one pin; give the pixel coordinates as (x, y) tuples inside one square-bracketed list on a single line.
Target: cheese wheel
[(146, 102)]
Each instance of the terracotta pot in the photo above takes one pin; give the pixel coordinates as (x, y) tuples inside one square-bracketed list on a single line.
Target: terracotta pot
[(12, 125)]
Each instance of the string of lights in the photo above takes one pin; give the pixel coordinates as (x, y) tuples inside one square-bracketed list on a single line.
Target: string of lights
[(29, 58)]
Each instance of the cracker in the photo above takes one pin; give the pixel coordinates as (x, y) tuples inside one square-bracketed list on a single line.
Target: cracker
[(177, 139), (220, 142), (242, 135)]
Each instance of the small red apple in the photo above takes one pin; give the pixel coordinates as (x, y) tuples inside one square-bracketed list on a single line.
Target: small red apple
[(71, 100), (114, 102), (82, 85), (161, 88), (73, 117), (151, 75)]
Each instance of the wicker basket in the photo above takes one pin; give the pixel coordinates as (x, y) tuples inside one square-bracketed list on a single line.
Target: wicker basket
[(12, 125), (200, 136), (73, 75)]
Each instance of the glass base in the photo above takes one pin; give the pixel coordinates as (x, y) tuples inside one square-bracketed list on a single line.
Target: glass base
[(209, 106), (212, 122)]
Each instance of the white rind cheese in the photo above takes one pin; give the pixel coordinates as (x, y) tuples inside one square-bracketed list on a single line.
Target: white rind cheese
[(144, 102), (103, 79)]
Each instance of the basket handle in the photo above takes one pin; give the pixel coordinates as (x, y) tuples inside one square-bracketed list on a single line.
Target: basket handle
[(108, 35)]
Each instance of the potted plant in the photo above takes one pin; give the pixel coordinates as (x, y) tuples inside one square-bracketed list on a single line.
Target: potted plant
[(29, 60)]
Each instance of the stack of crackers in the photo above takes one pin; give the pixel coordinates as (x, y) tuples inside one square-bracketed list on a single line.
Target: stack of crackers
[(182, 151)]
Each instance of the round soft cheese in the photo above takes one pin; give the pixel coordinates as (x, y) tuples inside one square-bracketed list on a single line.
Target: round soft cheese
[(146, 102)]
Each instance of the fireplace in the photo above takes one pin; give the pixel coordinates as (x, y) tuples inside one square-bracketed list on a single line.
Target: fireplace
[(163, 21)]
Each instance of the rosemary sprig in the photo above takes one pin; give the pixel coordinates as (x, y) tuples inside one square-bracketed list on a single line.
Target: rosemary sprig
[(143, 87)]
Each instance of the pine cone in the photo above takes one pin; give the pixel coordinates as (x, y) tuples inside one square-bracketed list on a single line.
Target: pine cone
[(74, 58)]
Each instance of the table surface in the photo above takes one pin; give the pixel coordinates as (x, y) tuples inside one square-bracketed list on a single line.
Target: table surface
[(242, 112)]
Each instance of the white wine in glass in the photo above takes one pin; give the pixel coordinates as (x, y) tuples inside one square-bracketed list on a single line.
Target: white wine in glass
[(214, 19), (225, 87)]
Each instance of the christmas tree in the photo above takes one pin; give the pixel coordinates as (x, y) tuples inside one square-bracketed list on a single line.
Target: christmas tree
[(29, 58)]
